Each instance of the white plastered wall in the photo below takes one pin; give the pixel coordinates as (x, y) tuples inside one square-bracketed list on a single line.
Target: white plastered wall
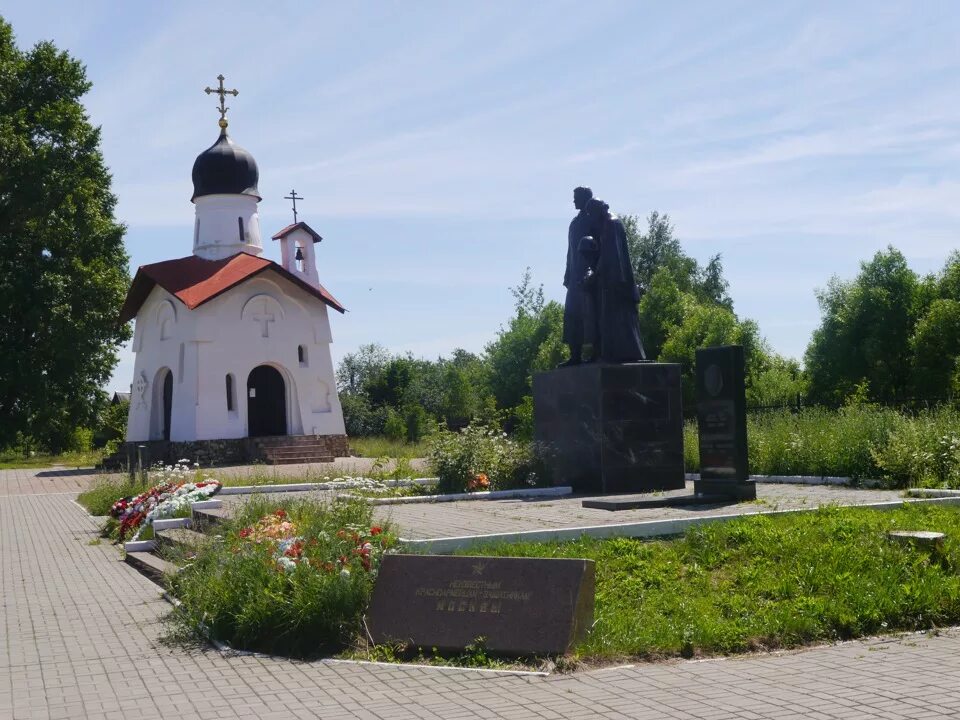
[(262, 321)]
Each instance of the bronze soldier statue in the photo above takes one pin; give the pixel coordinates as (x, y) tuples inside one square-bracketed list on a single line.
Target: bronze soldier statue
[(617, 294), (579, 309)]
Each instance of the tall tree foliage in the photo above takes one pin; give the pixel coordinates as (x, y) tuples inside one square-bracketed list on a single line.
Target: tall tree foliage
[(865, 333), (511, 357), (63, 268)]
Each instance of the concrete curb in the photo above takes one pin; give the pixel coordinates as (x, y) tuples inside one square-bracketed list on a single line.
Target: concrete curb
[(646, 529)]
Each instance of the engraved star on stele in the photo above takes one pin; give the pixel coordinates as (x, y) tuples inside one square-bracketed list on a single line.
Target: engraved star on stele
[(479, 567)]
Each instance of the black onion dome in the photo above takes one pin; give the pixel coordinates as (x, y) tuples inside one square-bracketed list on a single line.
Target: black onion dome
[(225, 168)]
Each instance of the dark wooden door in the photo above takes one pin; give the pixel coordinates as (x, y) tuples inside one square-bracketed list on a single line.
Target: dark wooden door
[(266, 402), (167, 403)]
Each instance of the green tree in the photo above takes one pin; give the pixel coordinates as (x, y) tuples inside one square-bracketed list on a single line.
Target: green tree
[(659, 250), (705, 326), (63, 268), (865, 332), (936, 348), (356, 369), (511, 357)]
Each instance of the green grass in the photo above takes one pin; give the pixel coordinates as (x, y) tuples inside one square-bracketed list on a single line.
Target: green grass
[(106, 490), (379, 446), (765, 582), (11, 460)]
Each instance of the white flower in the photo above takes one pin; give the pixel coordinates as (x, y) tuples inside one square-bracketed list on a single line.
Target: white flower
[(344, 573)]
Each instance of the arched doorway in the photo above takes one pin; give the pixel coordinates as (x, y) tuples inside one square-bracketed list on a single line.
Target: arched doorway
[(162, 410), (266, 402)]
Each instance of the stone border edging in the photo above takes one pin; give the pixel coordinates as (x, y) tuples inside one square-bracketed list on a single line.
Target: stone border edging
[(806, 480), (139, 545), (171, 523), (558, 491), (932, 493), (307, 487), (645, 529)]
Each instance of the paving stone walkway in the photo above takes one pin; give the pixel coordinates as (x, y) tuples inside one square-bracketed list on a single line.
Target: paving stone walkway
[(481, 517), (79, 638)]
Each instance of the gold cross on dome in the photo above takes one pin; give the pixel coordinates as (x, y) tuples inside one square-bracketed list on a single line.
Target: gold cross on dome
[(222, 92)]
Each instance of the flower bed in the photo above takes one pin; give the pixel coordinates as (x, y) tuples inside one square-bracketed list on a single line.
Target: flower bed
[(291, 550), (292, 577), (171, 496)]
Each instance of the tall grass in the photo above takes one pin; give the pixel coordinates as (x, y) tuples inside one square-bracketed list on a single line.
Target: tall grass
[(378, 446), (859, 441), (765, 582)]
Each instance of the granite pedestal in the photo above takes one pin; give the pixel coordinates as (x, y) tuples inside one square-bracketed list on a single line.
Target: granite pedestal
[(611, 428)]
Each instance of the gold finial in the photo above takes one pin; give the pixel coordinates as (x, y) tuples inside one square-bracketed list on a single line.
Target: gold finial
[(222, 93)]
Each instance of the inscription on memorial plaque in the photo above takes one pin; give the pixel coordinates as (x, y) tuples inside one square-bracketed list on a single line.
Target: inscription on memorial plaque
[(722, 423), (519, 606)]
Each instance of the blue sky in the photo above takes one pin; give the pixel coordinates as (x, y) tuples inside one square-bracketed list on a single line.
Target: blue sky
[(437, 143)]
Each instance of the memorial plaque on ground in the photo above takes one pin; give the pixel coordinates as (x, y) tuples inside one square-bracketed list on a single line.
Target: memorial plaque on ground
[(722, 423), (520, 606)]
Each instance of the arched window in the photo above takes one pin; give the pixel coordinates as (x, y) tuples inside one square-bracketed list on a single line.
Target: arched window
[(230, 396), (302, 355)]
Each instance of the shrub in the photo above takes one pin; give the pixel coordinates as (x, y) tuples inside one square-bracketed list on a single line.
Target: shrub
[(292, 578), (81, 440), (418, 423), (395, 428), (360, 418), (459, 458)]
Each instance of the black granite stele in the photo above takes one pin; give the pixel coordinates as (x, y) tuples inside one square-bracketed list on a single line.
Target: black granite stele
[(722, 424), (519, 606), (611, 428)]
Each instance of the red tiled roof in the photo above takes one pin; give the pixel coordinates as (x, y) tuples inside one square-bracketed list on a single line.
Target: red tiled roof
[(194, 281)]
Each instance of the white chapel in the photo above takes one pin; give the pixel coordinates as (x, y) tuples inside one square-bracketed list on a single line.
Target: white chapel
[(232, 349)]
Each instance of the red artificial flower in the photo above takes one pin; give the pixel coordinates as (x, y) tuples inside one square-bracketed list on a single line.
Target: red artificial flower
[(376, 530), (280, 513), (245, 533), (295, 550), (343, 559), (328, 566)]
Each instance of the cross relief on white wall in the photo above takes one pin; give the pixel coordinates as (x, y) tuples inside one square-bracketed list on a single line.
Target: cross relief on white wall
[(263, 311), (264, 318)]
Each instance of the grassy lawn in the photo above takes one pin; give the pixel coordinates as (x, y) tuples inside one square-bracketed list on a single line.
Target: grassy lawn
[(762, 583), (379, 446), (758, 583), (13, 460)]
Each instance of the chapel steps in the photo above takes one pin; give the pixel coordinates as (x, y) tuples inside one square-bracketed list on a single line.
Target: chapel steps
[(292, 449)]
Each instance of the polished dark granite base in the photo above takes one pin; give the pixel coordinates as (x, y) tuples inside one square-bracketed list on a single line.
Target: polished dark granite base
[(611, 428), (643, 503)]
